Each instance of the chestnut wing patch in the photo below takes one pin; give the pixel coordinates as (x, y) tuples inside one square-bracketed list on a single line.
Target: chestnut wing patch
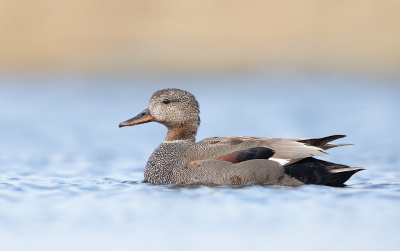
[(248, 154)]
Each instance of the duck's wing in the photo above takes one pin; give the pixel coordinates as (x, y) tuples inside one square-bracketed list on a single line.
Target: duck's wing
[(251, 160), (247, 154), (283, 149)]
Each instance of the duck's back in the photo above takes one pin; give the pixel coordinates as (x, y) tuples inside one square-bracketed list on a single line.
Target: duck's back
[(289, 149)]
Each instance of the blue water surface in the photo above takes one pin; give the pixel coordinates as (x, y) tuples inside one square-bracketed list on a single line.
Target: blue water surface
[(70, 179)]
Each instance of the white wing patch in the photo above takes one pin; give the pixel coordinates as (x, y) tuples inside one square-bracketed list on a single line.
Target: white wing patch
[(346, 169), (280, 161)]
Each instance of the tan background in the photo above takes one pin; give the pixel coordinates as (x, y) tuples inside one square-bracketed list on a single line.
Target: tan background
[(199, 35)]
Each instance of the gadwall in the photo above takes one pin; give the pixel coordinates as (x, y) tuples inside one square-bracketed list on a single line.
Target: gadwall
[(230, 160)]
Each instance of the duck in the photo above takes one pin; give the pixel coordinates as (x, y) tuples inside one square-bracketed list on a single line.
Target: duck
[(234, 160)]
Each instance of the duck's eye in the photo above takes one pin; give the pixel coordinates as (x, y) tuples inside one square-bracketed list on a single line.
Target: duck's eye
[(166, 101)]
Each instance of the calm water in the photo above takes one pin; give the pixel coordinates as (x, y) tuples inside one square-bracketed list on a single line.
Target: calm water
[(70, 179)]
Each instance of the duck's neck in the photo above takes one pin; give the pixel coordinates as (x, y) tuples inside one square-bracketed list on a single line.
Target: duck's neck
[(168, 159), (184, 132)]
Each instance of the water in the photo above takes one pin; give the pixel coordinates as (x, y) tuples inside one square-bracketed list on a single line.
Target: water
[(70, 179)]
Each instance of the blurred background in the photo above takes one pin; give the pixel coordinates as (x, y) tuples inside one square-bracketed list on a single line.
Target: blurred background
[(205, 36), (71, 71)]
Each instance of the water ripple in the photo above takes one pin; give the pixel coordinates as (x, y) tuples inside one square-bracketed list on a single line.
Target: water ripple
[(71, 180)]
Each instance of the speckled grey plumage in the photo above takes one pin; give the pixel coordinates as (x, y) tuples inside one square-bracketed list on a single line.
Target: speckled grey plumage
[(179, 160), (166, 163)]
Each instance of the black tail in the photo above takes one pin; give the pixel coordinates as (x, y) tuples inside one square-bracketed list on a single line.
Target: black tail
[(323, 142), (319, 172)]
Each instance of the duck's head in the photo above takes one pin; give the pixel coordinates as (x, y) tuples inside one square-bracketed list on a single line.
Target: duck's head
[(176, 109)]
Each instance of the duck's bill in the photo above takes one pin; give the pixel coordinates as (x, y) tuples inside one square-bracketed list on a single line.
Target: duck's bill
[(141, 118)]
